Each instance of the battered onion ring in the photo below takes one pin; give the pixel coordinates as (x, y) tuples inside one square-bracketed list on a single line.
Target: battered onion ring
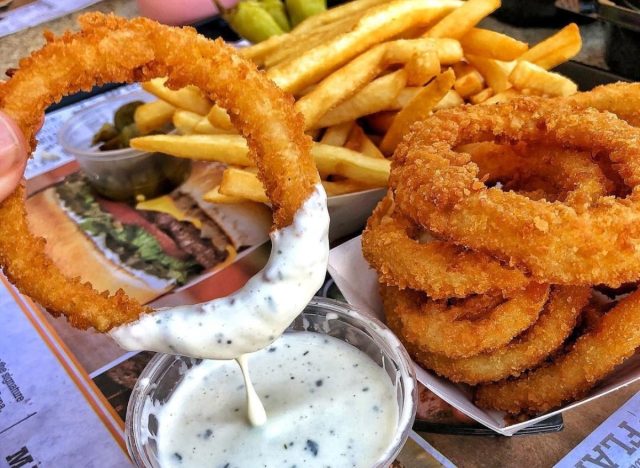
[(525, 352), (440, 269), (562, 174), (438, 188), (441, 328), (622, 99), (111, 49), (615, 337)]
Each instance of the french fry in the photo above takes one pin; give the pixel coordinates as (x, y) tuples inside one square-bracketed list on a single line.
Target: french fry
[(451, 99), (257, 52), (526, 75), (503, 96), (422, 57), (204, 127), (153, 115), (495, 73), (219, 118), (188, 123), (185, 121), (401, 51), (492, 44), (403, 98), (342, 187), (228, 149), (422, 67), (417, 109), (482, 96), (340, 85), (300, 43), (377, 25), (457, 23), (214, 196), (369, 148), (469, 83), (374, 97), (337, 13), (350, 164), (554, 50), (337, 135), (360, 142), (241, 184), (232, 149), (188, 98)]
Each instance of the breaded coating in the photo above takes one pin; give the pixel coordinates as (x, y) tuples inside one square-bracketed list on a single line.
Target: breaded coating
[(555, 242), (112, 49)]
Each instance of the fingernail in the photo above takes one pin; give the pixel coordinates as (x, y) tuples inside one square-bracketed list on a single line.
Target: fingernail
[(13, 149)]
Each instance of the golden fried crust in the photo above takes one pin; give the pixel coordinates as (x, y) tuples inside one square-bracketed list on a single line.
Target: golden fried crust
[(595, 354), (439, 189), (555, 324), (622, 99), (111, 49), (440, 269), (563, 174), (442, 328)]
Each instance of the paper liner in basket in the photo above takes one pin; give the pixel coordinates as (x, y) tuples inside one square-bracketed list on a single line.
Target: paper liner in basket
[(359, 285)]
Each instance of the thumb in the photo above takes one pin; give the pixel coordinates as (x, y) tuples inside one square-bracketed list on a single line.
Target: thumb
[(13, 155)]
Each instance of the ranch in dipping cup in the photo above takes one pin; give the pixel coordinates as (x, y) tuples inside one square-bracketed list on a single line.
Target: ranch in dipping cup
[(338, 390)]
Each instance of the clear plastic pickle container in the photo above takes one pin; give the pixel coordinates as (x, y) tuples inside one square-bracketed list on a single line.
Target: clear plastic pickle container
[(164, 373), (123, 174)]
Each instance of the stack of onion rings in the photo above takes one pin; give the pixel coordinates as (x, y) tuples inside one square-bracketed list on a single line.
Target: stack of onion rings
[(112, 49), (490, 201)]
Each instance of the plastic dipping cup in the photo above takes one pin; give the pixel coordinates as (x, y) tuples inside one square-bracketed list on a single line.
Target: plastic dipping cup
[(164, 373), (177, 12), (119, 174)]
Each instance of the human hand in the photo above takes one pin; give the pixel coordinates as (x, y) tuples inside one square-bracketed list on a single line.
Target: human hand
[(13, 155)]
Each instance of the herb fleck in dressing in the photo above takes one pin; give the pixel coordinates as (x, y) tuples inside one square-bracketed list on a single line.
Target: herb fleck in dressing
[(319, 412)]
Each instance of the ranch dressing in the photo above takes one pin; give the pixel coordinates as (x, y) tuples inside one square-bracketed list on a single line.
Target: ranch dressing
[(329, 404), (257, 314), (255, 409)]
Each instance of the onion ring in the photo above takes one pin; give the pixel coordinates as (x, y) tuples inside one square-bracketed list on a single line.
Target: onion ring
[(441, 328), (566, 175), (555, 324), (95, 55), (440, 269), (614, 337), (438, 188), (622, 99)]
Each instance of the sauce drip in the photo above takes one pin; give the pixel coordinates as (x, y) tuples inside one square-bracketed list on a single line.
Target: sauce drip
[(255, 408)]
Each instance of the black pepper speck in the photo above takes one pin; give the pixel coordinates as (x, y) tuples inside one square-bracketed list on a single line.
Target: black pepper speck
[(312, 447)]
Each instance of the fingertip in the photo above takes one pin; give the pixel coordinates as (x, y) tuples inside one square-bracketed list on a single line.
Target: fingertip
[(11, 133), (13, 155)]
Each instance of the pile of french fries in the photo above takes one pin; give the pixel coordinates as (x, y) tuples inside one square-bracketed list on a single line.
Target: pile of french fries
[(361, 74)]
